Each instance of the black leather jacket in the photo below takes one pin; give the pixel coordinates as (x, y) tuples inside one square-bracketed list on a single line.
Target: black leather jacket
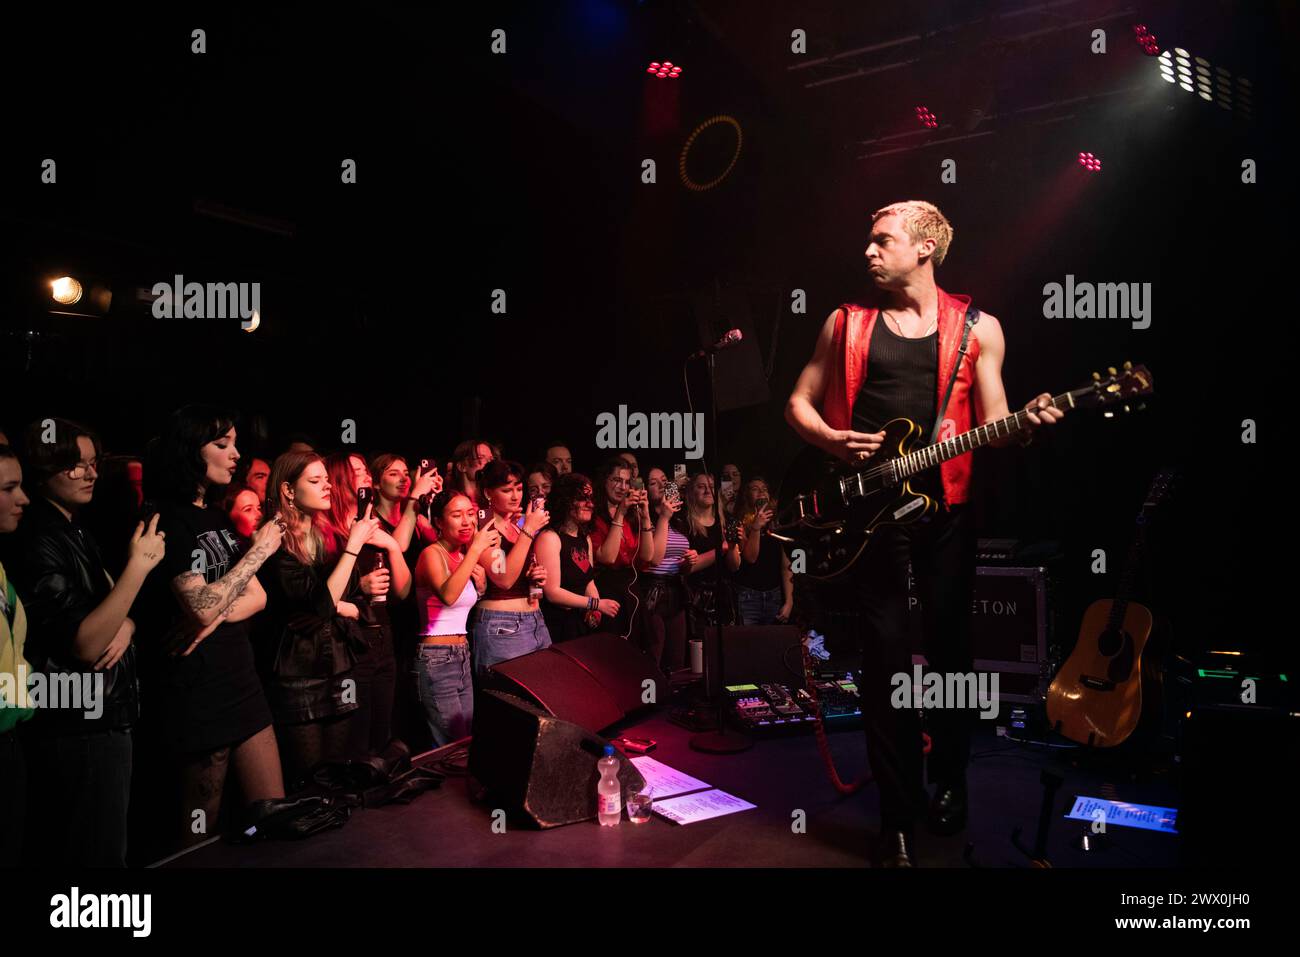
[(58, 573)]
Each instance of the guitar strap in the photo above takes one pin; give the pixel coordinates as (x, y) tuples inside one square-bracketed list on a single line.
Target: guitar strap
[(972, 317)]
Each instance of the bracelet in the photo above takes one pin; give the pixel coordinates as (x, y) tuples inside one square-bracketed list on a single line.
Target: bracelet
[(591, 603), (528, 533), (615, 524), (353, 554)]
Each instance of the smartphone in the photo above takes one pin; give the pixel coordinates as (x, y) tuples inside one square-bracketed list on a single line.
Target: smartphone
[(727, 486), (672, 492), (424, 464), (364, 497), (539, 503), (637, 745), (637, 484), (482, 517), (760, 505), (679, 473)]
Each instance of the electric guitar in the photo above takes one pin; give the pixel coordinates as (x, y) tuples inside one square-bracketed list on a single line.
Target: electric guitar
[(836, 507), (1096, 697)]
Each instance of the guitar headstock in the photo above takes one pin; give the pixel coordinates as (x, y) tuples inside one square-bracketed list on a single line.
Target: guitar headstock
[(1121, 387), (1159, 490)]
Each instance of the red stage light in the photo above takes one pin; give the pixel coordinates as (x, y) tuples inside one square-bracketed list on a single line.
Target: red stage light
[(665, 70), (928, 119), (1146, 39), (1090, 162)]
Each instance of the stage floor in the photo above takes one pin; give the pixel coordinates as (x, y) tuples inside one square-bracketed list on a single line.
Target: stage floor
[(443, 828)]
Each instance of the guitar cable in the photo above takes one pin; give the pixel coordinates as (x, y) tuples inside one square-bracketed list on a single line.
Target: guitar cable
[(819, 730), (823, 743)]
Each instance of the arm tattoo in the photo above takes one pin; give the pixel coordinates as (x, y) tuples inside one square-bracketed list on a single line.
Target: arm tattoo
[(220, 595)]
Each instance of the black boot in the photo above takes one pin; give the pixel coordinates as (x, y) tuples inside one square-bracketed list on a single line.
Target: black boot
[(948, 809)]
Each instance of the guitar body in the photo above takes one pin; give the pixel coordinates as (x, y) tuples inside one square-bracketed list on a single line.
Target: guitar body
[(832, 508), (1096, 697), (839, 505)]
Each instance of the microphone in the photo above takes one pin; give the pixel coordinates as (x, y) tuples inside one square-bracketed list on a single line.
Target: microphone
[(729, 339)]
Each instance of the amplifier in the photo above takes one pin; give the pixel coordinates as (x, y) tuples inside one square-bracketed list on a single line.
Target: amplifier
[(1009, 629)]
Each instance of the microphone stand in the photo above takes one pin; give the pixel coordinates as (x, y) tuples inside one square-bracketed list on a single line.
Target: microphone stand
[(724, 740)]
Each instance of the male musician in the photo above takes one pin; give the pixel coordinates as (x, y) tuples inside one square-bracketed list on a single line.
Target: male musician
[(870, 365)]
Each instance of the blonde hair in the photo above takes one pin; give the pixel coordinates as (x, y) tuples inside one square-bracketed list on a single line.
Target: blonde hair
[(922, 220)]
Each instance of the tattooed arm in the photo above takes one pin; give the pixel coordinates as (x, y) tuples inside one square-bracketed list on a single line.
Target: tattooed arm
[(207, 602)]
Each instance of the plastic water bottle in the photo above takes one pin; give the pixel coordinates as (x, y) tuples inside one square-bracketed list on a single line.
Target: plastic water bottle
[(609, 793)]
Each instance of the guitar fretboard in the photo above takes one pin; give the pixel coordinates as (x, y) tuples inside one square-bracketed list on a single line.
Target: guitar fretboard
[(932, 455)]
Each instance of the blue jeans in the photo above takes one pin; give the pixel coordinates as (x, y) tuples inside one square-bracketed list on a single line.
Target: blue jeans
[(758, 607), (444, 687), (502, 635)]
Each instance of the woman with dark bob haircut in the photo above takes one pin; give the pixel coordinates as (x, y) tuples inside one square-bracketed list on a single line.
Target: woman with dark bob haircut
[(215, 713)]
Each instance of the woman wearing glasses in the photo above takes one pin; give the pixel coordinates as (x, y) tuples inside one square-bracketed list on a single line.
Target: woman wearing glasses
[(573, 604), (80, 751)]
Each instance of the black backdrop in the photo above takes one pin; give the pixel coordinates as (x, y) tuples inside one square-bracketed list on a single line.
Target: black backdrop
[(522, 172)]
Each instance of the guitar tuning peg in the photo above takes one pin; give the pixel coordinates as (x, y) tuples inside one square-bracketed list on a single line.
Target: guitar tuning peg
[(1111, 370), (1127, 408), (1128, 367), (1096, 377)]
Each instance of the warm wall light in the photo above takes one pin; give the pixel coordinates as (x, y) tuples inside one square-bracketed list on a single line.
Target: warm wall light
[(66, 290)]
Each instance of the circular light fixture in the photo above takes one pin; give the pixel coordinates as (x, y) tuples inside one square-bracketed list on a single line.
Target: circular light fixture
[(690, 183), (66, 290)]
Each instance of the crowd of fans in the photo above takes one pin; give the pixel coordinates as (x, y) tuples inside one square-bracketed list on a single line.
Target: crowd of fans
[(242, 618)]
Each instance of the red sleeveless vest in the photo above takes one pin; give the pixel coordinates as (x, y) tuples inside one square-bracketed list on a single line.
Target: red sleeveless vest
[(850, 347)]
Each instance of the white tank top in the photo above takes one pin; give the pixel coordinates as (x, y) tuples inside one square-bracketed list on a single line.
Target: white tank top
[(437, 618)]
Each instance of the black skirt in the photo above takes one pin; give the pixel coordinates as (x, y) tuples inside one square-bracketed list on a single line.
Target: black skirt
[(212, 697)]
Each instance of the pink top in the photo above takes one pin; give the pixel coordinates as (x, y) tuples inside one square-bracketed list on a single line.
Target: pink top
[(438, 618)]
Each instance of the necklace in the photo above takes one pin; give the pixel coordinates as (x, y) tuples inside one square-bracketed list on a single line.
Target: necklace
[(928, 329)]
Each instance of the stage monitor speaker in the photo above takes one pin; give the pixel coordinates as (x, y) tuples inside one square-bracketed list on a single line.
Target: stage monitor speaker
[(531, 763), (620, 667), (558, 684), (761, 654)]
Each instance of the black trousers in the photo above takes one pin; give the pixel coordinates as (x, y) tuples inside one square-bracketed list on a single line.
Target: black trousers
[(81, 791), (376, 675), (13, 798), (941, 549)]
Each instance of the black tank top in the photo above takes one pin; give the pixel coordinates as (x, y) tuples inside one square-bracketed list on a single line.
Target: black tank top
[(901, 382), (573, 555)]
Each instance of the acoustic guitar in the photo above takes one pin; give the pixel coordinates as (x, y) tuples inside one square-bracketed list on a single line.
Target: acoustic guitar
[(1096, 697)]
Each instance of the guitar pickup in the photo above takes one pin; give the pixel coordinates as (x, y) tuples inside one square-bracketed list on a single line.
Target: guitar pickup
[(1097, 684)]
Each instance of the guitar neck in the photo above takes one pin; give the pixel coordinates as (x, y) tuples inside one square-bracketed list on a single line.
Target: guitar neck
[(932, 455)]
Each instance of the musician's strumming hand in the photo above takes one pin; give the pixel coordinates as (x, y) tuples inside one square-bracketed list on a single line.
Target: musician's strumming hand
[(854, 447)]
